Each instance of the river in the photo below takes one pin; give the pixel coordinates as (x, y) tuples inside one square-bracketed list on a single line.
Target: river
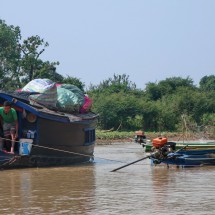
[(92, 189)]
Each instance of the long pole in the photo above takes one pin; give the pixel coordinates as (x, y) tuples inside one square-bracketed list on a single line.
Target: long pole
[(114, 170)]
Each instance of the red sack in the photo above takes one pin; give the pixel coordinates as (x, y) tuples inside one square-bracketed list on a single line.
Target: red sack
[(87, 105)]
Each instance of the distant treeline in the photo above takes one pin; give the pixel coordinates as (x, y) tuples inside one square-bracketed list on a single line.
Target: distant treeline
[(173, 104)]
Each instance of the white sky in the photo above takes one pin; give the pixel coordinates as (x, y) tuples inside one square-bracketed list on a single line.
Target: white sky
[(149, 40)]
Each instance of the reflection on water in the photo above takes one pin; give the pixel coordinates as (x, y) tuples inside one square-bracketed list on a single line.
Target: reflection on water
[(50, 190), (93, 189)]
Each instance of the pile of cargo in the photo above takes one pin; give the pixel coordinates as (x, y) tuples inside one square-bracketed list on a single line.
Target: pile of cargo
[(62, 97)]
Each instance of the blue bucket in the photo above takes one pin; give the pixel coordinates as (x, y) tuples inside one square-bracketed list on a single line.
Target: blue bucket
[(25, 146)]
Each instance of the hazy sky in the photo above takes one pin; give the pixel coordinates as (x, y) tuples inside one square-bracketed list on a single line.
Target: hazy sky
[(149, 40)]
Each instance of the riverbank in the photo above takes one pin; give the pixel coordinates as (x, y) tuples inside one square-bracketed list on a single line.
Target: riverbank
[(108, 138)]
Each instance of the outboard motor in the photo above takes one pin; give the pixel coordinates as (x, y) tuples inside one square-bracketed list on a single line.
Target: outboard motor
[(159, 142), (140, 138), (161, 148)]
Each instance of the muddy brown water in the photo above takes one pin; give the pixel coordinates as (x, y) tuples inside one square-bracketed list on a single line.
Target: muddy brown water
[(93, 189)]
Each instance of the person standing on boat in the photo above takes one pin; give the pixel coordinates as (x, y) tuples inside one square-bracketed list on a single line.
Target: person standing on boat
[(9, 123)]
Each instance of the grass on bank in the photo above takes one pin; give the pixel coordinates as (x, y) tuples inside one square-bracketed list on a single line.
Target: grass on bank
[(122, 135), (129, 135)]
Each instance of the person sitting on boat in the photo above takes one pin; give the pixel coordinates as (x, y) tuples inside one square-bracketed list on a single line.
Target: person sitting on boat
[(9, 123)]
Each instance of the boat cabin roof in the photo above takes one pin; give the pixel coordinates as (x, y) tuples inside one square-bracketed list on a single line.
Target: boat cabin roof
[(21, 101)]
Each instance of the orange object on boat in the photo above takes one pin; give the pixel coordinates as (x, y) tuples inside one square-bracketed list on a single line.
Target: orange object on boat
[(139, 133), (159, 141)]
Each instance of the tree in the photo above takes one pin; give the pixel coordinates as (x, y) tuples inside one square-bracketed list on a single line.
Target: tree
[(73, 81), (114, 85), (207, 83), (9, 55), (118, 102), (45, 70), (32, 66), (20, 62), (168, 86), (116, 110), (153, 91)]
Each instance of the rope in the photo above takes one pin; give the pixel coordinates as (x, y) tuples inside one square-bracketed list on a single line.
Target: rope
[(65, 151), (76, 153), (60, 150), (9, 139)]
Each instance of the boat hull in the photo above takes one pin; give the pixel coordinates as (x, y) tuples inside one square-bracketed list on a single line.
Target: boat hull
[(191, 160), (58, 139)]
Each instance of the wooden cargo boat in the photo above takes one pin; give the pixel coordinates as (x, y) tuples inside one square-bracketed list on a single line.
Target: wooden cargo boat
[(55, 138)]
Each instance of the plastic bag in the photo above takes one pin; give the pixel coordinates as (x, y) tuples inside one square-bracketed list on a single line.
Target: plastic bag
[(47, 91)]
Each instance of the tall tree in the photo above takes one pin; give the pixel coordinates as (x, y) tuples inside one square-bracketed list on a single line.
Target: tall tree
[(10, 55), (207, 83), (32, 66), (116, 110), (155, 91), (20, 62), (117, 101), (115, 85)]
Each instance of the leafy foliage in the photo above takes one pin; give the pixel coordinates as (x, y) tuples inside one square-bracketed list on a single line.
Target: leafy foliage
[(73, 81), (9, 54), (31, 64), (119, 83), (170, 85), (116, 110), (158, 108), (117, 101), (207, 83)]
